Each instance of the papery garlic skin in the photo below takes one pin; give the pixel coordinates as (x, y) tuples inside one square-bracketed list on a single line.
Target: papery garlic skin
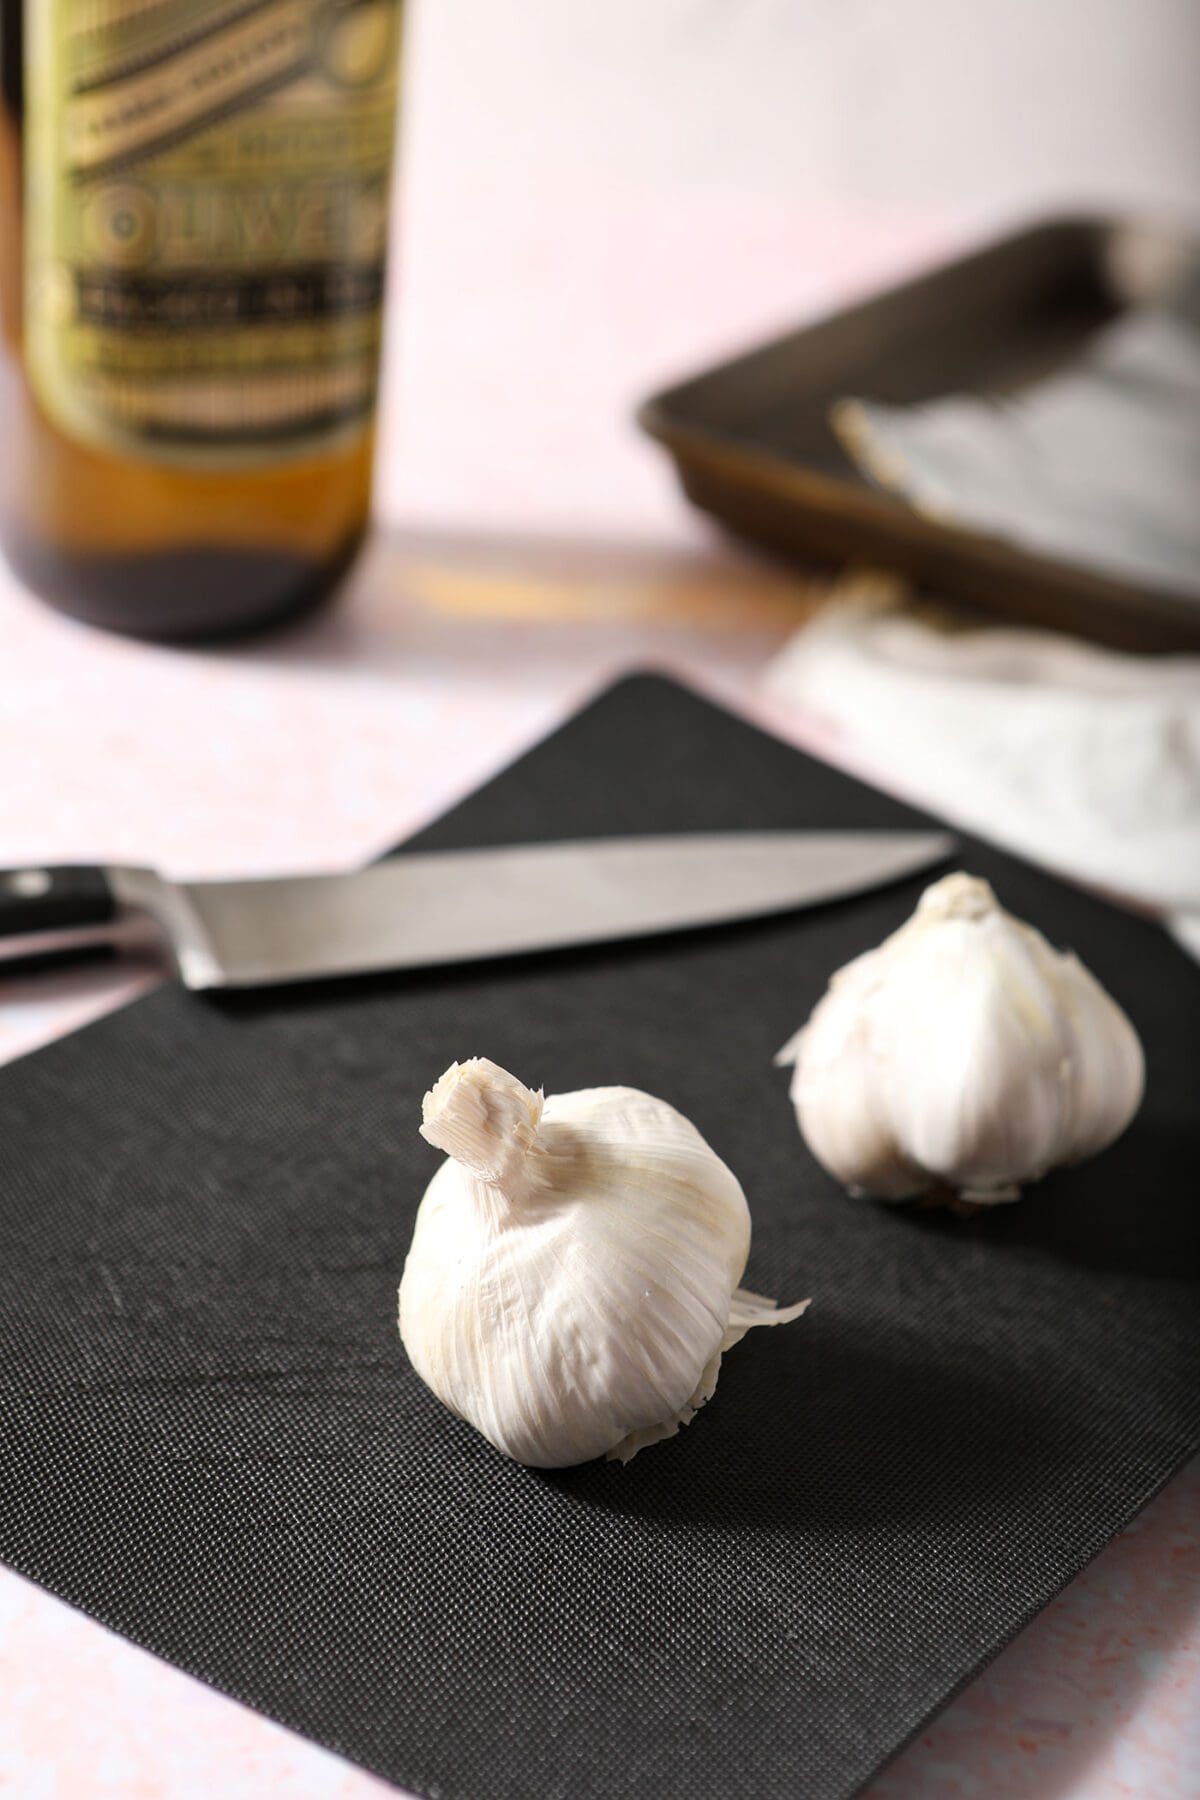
[(572, 1280), (964, 1053)]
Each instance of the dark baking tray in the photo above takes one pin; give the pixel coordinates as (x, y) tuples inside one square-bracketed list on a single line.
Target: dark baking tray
[(753, 445)]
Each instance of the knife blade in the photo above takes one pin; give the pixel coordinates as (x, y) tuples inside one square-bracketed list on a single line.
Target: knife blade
[(453, 906)]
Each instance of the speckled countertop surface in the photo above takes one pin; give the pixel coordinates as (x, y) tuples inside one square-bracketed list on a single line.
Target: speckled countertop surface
[(449, 651)]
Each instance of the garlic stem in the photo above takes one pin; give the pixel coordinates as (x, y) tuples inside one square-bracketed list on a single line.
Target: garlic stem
[(957, 896), (485, 1119)]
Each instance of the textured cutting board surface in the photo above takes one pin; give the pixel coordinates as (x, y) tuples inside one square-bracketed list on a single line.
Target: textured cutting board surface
[(210, 1437)]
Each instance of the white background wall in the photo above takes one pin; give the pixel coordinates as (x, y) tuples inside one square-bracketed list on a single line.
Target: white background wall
[(602, 193), (967, 104)]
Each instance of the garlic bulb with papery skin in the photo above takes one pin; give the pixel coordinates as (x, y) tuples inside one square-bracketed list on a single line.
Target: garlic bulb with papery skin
[(572, 1281), (963, 1054)]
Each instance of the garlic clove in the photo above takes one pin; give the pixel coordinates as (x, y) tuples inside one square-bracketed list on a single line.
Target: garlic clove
[(572, 1280), (964, 1054)]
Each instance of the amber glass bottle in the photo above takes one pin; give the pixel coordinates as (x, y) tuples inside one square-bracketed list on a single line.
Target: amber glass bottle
[(193, 231)]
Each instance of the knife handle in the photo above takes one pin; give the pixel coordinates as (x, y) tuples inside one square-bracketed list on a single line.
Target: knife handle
[(46, 912)]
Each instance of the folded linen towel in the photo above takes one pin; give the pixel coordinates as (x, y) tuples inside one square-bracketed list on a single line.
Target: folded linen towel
[(1083, 760)]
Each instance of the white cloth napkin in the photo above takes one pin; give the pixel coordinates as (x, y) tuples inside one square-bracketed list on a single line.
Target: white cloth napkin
[(1080, 759)]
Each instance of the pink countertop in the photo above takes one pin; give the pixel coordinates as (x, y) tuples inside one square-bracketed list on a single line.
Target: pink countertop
[(534, 576)]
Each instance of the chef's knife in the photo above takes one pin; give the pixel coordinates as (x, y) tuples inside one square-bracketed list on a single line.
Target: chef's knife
[(446, 907)]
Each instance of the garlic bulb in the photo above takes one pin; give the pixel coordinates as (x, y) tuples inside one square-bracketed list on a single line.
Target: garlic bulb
[(572, 1281), (965, 1054)]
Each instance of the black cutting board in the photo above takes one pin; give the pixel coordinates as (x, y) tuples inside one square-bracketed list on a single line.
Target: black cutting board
[(210, 1438)]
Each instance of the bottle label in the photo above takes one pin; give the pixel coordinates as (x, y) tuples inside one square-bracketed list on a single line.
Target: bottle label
[(207, 187)]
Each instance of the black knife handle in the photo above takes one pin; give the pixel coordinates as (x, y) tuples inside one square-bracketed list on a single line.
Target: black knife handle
[(37, 902)]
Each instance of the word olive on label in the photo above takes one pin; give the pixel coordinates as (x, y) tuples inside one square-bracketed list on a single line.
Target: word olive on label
[(207, 198)]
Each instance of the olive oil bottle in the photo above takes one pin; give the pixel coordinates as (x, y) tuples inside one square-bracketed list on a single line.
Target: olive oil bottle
[(194, 204)]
